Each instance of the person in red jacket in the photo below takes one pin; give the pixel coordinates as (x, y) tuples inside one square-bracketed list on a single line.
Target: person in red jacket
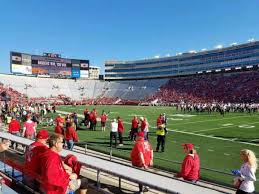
[(32, 158), (92, 118), (104, 118), (142, 155), (55, 178), (70, 136), (120, 130), (59, 128), (191, 164)]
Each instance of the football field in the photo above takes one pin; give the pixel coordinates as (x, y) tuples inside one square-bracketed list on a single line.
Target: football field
[(217, 139)]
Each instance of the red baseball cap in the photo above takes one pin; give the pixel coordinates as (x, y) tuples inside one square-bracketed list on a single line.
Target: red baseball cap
[(141, 134), (42, 134), (188, 146)]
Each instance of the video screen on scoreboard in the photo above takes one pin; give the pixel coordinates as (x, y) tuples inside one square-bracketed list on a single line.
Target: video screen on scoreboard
[(49, 64)]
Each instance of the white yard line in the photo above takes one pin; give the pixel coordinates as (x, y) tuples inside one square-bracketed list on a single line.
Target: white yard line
[(220, 138), (224, 118), (221, 127), (254, 140)]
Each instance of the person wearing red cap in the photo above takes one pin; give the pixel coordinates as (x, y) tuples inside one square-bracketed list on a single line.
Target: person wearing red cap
[(32, 159), (142, 154), (191, 164), (56, 180)]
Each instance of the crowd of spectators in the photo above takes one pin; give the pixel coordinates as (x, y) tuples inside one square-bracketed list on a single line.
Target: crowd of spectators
[(227, 88)]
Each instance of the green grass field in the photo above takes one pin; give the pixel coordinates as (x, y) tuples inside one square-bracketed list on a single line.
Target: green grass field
[(218, 139)]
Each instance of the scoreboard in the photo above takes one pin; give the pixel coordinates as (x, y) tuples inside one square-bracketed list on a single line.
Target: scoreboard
[(49, 65)]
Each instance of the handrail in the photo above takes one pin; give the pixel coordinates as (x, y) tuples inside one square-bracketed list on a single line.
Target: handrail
[(156, 181)]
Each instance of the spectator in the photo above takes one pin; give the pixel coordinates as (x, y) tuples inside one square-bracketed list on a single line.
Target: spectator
[(146, 129), (120, 130), (70, 136), (73, 163), (59, 119), (92, 118), (142, 155), (246, 175), (32, 157), (190, 170), (29, 128), (134, 128), (56, 179), (59, 128), (114, 131), (160, 132), (143, 124), (4, 145), (103, 121), (14, 127)]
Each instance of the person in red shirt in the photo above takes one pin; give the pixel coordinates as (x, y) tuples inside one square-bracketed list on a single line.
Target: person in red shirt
[(142, 155), (32, 159), (143, 124), (159, 120), (120, 130), (55, 178), (191, 164), (59, 120), (29, 128), (104, 118), (92, 118), (86, 115), (70, 136), (134, 128), (59, 128), (14, 127)]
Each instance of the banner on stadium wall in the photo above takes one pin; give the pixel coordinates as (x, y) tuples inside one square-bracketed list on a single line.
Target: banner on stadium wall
[(24, 69), (84, 74), (75, 73), (84, 64)]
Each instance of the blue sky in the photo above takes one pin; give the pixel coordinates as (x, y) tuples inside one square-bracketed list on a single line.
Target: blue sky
[(101, 30)]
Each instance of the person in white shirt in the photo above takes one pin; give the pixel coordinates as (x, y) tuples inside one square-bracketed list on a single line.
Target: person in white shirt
[(246, 174), (114, 132)]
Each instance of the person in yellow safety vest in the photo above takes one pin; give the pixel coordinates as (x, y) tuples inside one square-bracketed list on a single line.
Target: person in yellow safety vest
[(160, 132)]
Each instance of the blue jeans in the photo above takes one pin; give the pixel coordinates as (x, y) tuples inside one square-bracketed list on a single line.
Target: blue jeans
[(70, 144)]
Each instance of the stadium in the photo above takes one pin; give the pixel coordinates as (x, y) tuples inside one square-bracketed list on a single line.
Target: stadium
[(210, 99)]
